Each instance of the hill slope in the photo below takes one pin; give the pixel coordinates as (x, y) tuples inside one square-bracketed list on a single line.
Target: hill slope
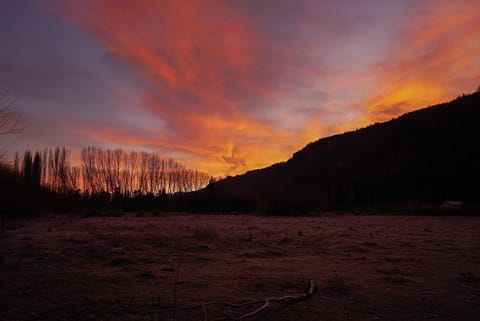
[(424, 156)]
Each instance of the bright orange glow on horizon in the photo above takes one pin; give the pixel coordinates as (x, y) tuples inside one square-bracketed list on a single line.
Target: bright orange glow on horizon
[(436, 54)]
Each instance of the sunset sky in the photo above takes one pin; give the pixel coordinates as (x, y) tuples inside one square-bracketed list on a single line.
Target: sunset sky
[(227, 86)]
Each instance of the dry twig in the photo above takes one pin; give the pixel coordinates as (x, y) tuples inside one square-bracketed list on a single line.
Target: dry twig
[(177, 278), (205, 317), (266, 303), (279, 299)]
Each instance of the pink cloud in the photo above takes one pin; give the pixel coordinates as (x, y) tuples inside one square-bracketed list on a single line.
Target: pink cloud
[(238, 86)]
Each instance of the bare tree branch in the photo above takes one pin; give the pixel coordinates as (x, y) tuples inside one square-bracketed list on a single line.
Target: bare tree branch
[(265, 303), (9, 118)]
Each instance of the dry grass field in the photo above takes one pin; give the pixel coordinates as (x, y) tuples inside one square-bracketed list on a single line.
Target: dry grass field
[(214, 267)]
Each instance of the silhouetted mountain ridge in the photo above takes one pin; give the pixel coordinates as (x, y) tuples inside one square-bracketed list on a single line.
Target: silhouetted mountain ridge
[(428, 155)]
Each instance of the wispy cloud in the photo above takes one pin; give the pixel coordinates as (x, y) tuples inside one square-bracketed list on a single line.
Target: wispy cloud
[(209, 72), (435, 59), (227, 86)]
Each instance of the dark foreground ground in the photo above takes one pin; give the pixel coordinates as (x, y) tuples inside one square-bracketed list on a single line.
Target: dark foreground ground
[(137, 268)]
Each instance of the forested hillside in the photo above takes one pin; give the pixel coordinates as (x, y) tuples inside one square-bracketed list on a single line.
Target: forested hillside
[(425, 156)]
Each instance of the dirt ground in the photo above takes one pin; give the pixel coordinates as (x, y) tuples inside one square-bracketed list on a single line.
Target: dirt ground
[(165, 267)]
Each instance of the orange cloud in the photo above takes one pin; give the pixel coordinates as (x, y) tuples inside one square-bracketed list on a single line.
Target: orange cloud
[(203, 63), (436, 59), (234, 92)]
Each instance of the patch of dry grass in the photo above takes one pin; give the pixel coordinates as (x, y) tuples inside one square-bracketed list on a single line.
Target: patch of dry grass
[(112, 267)]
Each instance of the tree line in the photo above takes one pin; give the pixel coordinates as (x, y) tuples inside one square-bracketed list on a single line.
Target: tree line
[(113, 172)]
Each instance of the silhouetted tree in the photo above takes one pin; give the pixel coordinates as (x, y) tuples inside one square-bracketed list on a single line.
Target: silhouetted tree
[(27, 166), (136, 175), (16, 163), (110, 178), (36, 169)]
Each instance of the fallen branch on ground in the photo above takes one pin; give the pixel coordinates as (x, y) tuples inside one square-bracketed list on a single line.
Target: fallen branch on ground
[(177, 280), (266, 303), (279, 299)]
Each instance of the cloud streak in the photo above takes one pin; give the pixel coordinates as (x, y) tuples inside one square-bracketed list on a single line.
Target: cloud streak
[(435, 59), (228, 86), (208, 72)]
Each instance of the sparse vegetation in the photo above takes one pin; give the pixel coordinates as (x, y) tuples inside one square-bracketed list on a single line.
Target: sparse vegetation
[(140, 268), (206, 233)]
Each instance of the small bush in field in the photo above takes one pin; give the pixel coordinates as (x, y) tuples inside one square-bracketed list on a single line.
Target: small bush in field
[(119, 261), (286, 240), (146, 274), (205, 233), (91, 213)]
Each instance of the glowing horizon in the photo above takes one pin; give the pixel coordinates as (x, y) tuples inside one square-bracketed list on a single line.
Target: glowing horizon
[(228, 86)]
